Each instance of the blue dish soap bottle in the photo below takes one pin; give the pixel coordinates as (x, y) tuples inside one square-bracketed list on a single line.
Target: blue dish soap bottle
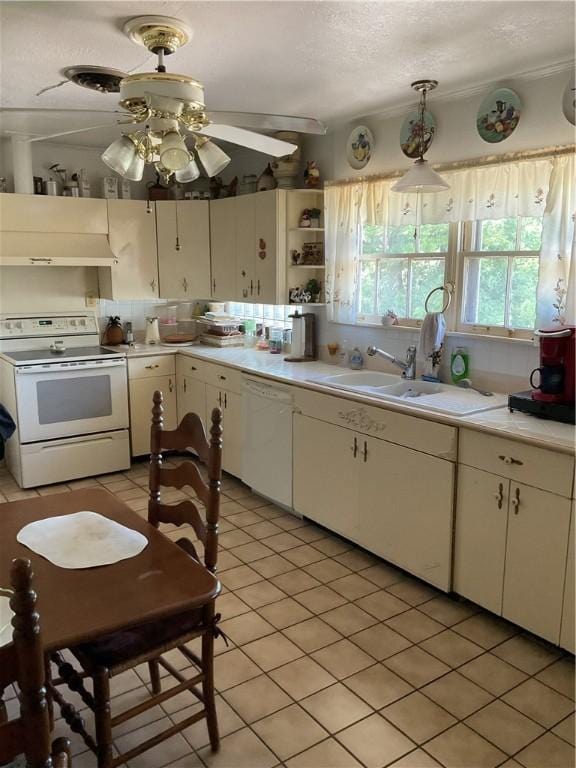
[(356, 360)]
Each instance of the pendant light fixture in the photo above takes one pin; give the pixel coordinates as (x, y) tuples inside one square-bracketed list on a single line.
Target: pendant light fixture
[(421, 177)]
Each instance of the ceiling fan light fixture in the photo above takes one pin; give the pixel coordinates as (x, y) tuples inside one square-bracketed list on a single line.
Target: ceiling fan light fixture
[(190, 173), (213, 159), (420, 178), (136, 169), (173, 152), (120, 155)]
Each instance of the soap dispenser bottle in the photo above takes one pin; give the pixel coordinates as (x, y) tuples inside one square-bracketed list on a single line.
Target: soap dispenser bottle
[(356, 360)]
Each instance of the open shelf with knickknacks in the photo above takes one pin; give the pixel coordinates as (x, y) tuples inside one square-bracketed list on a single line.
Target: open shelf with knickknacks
[(305, 254)]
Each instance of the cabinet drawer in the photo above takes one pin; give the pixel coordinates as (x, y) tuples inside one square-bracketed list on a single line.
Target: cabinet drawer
[(409, 431), (527, 464), (211, 373), (154, 365)]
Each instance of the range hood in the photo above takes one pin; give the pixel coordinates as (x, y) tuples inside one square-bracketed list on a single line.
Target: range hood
[(56, 249)]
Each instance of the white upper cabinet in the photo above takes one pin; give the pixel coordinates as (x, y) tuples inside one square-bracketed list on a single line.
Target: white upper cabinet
[(132, 233), (223, 247), (41, 213), (183, 232)]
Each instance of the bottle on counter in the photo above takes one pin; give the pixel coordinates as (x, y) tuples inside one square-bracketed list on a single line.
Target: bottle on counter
[(459, 364), (356, 360)]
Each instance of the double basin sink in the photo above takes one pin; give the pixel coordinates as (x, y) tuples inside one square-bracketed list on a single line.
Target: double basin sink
[(429, 395)]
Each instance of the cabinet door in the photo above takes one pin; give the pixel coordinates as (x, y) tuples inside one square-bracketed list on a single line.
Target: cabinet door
[(231, 406), (568, 620), (405, 501), (191, 397), (133, 242), (536, 550), (223, 247), (245, 247), (141, 393), (480, 537), (185, 272), (266, 250), (325, 480)]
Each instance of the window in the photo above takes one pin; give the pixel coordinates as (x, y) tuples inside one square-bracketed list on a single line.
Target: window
[(398, 268), (500, 276)]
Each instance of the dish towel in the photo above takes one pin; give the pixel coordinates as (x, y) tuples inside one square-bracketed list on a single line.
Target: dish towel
[(7, 428), (432, 332)]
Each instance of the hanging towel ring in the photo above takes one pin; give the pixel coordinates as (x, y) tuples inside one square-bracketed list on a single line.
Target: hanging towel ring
[(447, 288)]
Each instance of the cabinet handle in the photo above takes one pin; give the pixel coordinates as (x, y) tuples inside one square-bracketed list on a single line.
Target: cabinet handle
[(152, 366), (193, 368), (225, 401), (515, 501), (177, 246), (354, 448), (251, 287), (185, 285), (365, 451), (40, 260), (222, 378), (243, 273), (258, 287), (220, 399), (511, 460), (500, 495), (245, 292), (170, 386), (184, 386), (153, 284)]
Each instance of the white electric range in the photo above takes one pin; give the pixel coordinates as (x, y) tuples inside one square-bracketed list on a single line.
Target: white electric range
[(67, 395)]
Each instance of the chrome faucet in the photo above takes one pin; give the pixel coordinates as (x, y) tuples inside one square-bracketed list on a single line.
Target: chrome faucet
[(408, 368)]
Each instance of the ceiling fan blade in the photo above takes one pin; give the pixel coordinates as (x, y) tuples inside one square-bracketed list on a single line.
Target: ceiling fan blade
[(266, 144), (264, 122), (35, 135)]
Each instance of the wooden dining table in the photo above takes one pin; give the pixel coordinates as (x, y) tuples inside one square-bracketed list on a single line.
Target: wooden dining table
[(80, 605)]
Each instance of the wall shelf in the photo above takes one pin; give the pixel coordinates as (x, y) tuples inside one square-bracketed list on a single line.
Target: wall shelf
[(307, 229)]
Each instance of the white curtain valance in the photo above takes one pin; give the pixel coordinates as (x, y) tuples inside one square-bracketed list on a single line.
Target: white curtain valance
[(489, 192)]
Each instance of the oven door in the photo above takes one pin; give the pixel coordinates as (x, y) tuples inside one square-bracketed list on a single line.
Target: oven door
[(64, 399)]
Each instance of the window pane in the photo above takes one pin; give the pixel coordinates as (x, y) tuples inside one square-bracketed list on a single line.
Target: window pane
[(523, 292), (433, 238), (393, 286), (367, 299), (530, 233), (485, 291), (373, 239), (401, 240), (498, 235), (426, 275)]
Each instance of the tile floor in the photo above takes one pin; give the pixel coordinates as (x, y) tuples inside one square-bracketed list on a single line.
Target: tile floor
[(340, 660)]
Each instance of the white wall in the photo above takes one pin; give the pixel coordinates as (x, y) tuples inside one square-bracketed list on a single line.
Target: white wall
[(501, 364)]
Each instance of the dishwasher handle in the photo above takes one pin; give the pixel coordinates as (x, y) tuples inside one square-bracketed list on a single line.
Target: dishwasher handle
[(266, 391)]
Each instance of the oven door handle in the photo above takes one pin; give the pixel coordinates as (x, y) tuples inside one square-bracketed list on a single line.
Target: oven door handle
[(65, 367)]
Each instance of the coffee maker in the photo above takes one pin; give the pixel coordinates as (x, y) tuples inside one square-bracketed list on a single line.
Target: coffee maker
[(553, 382)]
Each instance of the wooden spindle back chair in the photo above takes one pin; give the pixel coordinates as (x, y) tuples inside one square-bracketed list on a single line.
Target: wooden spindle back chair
[(22, 664), (124, 650)]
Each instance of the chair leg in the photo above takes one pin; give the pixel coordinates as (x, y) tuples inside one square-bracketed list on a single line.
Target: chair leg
[(154, 669), (208, 689), (101, 681)]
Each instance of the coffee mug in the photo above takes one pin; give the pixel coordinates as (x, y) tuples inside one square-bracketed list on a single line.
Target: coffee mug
[(551, 379)]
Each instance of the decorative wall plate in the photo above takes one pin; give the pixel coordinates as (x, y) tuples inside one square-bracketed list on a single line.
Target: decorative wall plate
[(359, 147), (569, 101), (498, 115), (410, 133)]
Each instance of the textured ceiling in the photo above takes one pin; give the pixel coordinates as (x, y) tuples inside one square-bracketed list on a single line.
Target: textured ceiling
[(331, 60)]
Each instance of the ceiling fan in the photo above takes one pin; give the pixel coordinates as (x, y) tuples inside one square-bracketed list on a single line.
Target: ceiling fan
[(171, 113)]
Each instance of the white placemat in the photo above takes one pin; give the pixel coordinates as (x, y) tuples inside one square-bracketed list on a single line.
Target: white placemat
[(6, 614), (82, 540)]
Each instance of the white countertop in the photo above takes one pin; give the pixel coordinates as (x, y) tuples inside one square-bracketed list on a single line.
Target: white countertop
[(516, 426)]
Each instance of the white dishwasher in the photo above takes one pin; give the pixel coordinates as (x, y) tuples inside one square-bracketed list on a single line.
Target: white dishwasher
[(267, 439)]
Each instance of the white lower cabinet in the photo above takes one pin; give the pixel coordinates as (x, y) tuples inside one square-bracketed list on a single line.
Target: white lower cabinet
[(393, 501), (536, 549), (191, 397), (480, 538), (405, 508), (568, 620), (145, 376), (230, 404), (325, 481), (511, 539)]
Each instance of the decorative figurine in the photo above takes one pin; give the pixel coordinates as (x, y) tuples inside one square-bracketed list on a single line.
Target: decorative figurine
[(312, 174), (266, 180)]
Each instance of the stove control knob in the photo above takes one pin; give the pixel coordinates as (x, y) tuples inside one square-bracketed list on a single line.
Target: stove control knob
[(19, 325), (82, 322), (72, 322)]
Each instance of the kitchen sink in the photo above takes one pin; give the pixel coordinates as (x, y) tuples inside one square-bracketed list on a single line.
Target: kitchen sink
[(429, 395)]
